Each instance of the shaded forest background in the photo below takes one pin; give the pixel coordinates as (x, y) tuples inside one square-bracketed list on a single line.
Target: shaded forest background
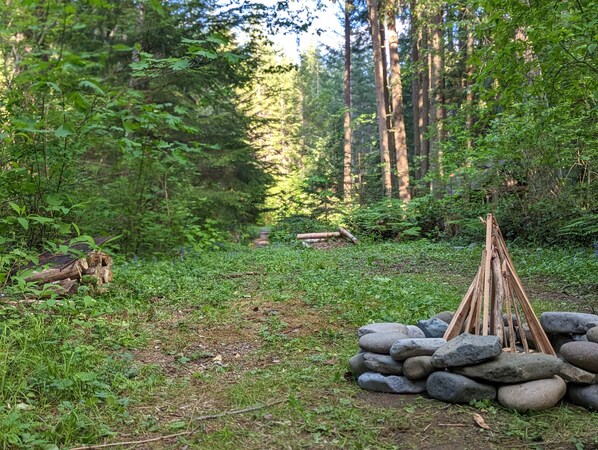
[(178, 124)]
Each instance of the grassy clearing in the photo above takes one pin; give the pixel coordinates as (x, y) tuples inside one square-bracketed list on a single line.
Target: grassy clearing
[(174, 340)]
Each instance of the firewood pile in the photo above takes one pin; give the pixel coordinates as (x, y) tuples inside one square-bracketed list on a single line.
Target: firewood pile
[(67, 271), (495, 293)]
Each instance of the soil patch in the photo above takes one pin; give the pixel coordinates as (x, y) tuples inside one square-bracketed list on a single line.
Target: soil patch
[(430, 424)]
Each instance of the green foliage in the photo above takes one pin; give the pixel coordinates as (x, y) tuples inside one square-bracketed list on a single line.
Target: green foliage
[(21, 232), (287, 229), (430, 217), (56, 384), (82, 371), (387, 219), (133, 119), (532, 150)]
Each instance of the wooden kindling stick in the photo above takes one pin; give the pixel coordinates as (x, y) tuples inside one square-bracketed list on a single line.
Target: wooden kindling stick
[(497, 287)]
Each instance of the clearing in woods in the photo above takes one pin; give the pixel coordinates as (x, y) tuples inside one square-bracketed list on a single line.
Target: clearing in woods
[(172, 342)]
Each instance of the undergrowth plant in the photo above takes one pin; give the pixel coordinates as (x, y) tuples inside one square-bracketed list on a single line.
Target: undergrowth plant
[(235, 328)]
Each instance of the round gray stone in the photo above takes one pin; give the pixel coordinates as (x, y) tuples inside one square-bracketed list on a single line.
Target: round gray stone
[(513, 368), (569, 372), (407, 348), (581, 354), (566, 322), (382, 327), (383, 364), (433, 328), (467, 349), (357, 366), (592, 335), (379, 342), (505, 319), (453, 388), (534, 395), (586, 396), (373, 381), (558, 340), (591, 325), (415, 332), (445, 316), (418, 367)]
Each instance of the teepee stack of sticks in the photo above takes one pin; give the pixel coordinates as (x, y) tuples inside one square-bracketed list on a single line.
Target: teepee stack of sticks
[(496, 290)]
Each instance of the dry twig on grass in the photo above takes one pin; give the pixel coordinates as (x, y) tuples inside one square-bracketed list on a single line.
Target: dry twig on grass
[(183, 433)]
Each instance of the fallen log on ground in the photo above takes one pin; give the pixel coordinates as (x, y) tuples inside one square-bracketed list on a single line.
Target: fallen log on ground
[(66, 271), (348, 235), (322, 236), (97, 264)]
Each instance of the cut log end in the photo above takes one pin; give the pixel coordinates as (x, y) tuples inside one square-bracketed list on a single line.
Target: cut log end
[(68, 276)]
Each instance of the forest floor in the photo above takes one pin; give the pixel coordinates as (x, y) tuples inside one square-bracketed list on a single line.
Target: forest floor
[(172, 342)]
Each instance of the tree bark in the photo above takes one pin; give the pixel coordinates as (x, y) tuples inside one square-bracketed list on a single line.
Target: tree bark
[(97, 264), (387, 98), (347, 179), (415, 89), (424, 97), (398, 121), (437, 113), (374, 20), (468, 84)]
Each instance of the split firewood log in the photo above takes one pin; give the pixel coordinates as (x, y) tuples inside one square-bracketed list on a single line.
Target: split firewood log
[(96, 263), (66, 271)]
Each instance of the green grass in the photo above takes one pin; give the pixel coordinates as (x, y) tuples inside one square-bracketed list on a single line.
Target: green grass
[(218, 331)]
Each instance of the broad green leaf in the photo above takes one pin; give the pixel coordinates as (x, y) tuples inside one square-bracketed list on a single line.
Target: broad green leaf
[(141, 65), (85, 376), (94, 87), (157, 6), (16, 207), (180, 65), (217, 39), (53, 200), (205, 53), (24, 222), (122, 48), (62, 132), (41, 220)]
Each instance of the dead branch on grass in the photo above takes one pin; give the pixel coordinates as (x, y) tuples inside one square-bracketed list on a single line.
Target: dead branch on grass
[(183, 433)]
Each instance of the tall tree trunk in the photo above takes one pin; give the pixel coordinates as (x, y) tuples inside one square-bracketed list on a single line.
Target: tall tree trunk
[(398, 121), (387, 99), (468, 17), (347, 179), (424, 96), (374, 19), (437, 113), (415, 89), (469, 84)]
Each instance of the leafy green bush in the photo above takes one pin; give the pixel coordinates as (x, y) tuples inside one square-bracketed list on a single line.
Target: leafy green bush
[(428, 217), (387, 219), (23, 234)]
